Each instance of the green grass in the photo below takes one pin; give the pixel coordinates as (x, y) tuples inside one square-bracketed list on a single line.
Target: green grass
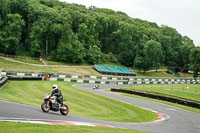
[(75, 70), (188, 91), (12, 127), (29, 61), (185, 75), (161, 74), (80, 102), (9, 65), (153, 74), (160, 101)]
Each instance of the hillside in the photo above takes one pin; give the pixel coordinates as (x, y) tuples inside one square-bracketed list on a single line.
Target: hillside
[(72, 33), (28, 65)]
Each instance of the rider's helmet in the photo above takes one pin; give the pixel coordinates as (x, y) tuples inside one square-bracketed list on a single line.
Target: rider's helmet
[(54, 87)]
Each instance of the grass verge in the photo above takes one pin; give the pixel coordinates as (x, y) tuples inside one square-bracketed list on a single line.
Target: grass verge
[(164, 102), (29, 61), (9, 65), (12, 127), (187, 91), (162, 74), (80, 102), (153, 74)]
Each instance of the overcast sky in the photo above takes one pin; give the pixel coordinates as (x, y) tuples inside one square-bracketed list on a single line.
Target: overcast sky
[(183, 15)]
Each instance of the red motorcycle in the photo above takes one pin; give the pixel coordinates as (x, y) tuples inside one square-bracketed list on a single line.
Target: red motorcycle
[(50, 103)]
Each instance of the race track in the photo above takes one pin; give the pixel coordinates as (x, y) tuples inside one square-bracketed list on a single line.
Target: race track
[(178, 121)]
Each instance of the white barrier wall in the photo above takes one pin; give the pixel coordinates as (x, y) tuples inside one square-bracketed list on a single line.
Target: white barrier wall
[(0, 73)]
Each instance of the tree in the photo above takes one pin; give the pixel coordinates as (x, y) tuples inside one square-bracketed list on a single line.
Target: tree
[(150, 57), (195, 61), (93, 54), (140, 63), (11, 33), (126, 57), (153, 54), (48, 29), (171, 42), (72, 33), (70, 50), (185, 51), (4, 9)]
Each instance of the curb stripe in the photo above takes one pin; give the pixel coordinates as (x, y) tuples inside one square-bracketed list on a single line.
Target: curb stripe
[(71, 123), (161, 117), (59, 123)]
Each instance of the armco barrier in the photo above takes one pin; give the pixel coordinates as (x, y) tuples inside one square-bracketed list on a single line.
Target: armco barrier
[(168, 98), (3, 81)]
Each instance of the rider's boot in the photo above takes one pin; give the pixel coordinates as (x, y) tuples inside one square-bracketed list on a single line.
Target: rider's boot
[(62, 106)]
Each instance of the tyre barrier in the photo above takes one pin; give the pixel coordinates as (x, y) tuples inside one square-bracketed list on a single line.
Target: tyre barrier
[(3, 81), (158, 96), (24, 78)]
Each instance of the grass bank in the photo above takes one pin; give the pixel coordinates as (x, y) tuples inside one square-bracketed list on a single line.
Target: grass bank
[(70, 69), (187, 91), (153, 74), (11, 127), (29, 61), (80, 102), (160, 101), (9, 65)]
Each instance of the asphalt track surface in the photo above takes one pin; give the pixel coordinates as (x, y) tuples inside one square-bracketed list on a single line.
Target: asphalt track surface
[(179, 121)]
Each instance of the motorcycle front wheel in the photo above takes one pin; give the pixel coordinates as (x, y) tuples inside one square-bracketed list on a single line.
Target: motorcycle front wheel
[(64, 112)]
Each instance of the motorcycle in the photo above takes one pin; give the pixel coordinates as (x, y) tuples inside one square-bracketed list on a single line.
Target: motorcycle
[(50, 103)]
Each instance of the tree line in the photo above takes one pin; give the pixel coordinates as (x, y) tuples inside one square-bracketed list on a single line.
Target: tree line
[(66, 32)]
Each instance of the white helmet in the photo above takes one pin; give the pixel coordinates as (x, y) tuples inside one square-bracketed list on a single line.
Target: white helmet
[(54, 87)]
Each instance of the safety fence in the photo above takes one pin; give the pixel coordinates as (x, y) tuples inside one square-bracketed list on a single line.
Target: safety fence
[(160, 81), (103, 79), (79, 81), (50, 75)]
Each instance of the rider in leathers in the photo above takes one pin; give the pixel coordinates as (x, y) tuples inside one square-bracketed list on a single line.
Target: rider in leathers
[(58, 94)]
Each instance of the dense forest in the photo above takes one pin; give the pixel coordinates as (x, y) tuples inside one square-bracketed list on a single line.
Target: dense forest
[(73, 33)]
